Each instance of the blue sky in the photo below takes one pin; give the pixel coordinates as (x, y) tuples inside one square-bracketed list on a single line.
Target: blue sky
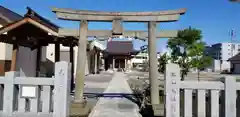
[(214, 17)]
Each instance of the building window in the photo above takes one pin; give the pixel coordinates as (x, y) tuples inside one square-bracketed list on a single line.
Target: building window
[(233, 46)]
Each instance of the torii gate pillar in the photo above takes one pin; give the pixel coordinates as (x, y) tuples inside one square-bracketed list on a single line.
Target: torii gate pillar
[(81, 61), (153, 73)]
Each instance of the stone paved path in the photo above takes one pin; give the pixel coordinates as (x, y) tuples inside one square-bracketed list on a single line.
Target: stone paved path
[(116, 107), (96, 84)]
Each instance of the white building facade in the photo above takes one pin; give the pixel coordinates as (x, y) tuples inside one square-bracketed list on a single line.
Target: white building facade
[(141, 57), (221, 52)]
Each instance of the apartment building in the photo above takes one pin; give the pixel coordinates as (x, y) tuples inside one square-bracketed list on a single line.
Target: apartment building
[(224, 51), (221, 52)]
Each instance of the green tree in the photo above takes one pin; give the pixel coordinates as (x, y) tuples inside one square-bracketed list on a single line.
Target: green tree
[(163, 60), (181, 45), (199, 60), (201, 63)]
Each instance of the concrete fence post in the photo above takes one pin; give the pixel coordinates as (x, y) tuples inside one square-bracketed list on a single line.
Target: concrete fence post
[(172, 90), (9, 93), (230, 96), (62, 89)]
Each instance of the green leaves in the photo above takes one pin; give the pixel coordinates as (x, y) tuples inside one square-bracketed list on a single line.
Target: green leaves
[(163, 60), (187, 50), (201, 62)]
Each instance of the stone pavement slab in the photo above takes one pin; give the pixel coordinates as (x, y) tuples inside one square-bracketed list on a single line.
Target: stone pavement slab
[(116, 107)]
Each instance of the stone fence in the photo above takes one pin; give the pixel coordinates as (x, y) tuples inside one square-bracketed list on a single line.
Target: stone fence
[(36, 96)]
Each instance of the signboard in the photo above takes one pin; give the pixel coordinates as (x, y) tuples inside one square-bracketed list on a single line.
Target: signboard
[(27, 91)]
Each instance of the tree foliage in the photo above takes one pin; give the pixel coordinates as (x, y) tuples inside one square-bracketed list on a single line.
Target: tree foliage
[(187, 50), (201, 63), (199, 60), (163, 60)]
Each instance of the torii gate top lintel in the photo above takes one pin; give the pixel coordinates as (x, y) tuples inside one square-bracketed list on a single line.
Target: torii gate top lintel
[(89, 15)]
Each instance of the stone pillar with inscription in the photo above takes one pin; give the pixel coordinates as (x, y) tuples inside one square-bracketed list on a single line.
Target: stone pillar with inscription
[(172, 91)]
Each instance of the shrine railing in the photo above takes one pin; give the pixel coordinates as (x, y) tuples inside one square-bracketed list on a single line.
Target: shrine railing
[(36, 96), (213, 98)]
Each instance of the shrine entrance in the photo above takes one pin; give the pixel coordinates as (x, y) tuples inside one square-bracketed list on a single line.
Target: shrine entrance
[(117, 19), (120, 63), (118, 54)]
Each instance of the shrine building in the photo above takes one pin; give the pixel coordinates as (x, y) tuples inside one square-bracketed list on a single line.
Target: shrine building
[(118, 54)]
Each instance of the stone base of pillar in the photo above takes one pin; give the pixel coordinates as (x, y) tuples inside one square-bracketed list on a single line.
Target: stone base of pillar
[(79, 109)]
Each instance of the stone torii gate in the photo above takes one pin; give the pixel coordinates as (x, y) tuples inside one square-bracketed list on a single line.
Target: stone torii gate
[(117, 18)]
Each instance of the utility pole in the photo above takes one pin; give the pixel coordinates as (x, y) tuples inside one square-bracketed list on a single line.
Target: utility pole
[(231, 38)]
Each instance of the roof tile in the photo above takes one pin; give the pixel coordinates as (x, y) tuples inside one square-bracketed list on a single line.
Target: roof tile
[(8, 16), (120, 47)]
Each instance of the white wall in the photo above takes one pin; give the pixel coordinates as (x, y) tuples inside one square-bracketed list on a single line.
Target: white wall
[(219, 65), (8, 54), (50, 52), (75, 61), (137, 60), (226, 51), (216, 66), (2, 51), (50, 55), (225, 65), (5, 50)]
